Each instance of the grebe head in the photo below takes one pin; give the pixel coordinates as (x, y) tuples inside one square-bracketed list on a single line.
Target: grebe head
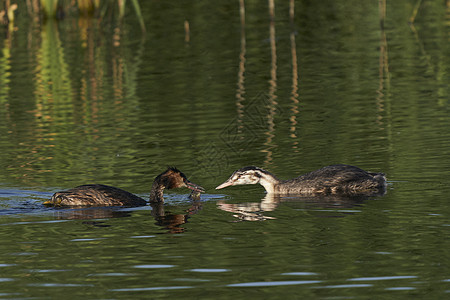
[(246, 175), (173, 178)]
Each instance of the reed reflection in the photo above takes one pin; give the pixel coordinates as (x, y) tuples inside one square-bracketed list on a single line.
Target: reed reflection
[(254, 123), (272, 89), (384, 76), (294, 93), (240, 92), (69, 102), (5, 74)]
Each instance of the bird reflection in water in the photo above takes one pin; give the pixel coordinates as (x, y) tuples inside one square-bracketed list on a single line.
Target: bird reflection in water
[(251, 211), (256, 211), (163, 216), (171, 221), (98, 201), (336, 185)]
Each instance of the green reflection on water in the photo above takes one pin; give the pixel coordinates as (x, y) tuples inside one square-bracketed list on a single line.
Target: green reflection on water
[(83, 103)]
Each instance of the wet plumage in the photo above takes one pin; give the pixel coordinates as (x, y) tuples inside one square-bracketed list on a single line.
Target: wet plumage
[(104, 195), (335, 179)]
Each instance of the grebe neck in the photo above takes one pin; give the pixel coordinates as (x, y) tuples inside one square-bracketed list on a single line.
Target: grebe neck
[(269, 182), (157, 192)]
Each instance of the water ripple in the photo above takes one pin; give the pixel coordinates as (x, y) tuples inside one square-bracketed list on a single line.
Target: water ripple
[(343, 286), (272, 283), (58, 284), (151, 288), (86, 240), (209, 270), (153, 266), (23, 253), (112, 274), (47, 270), (381, 278), (7, 265), (300, 273)]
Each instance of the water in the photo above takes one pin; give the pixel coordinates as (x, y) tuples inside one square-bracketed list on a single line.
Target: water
[(82, 103)]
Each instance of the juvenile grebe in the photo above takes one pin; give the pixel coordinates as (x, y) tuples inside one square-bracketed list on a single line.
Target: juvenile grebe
[(335, 179), (104, 195)]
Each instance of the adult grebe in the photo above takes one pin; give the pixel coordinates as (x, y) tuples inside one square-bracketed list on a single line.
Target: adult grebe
[(335, 179), (104, 195)]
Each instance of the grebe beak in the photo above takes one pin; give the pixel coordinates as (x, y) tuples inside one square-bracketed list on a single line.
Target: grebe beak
[(193, 186), (53, 202), (224, 185)]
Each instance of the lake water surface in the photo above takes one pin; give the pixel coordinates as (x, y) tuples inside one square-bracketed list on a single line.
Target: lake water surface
[(332, 82)]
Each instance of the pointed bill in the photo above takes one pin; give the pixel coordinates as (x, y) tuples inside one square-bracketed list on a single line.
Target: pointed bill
[(224, 185), (194, 187)]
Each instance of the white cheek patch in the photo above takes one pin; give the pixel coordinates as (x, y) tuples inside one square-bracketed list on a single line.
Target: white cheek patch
[(247, 179)]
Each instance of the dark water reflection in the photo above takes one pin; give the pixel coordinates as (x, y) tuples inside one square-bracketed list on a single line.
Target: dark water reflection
[(292, 89), (172, 222), (363, 240), (255, 211)]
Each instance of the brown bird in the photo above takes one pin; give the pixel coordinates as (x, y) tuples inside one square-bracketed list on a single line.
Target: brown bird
[(335, 179), (104, 195)]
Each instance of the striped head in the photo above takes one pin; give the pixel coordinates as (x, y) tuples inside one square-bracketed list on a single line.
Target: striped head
[(246, 175)]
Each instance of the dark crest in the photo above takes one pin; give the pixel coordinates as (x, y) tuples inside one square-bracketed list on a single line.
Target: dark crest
[(174, 169), (252, 168)]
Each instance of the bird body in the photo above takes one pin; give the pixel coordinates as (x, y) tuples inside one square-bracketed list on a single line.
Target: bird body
[(335, 179), (105, 195), (95, 194)]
